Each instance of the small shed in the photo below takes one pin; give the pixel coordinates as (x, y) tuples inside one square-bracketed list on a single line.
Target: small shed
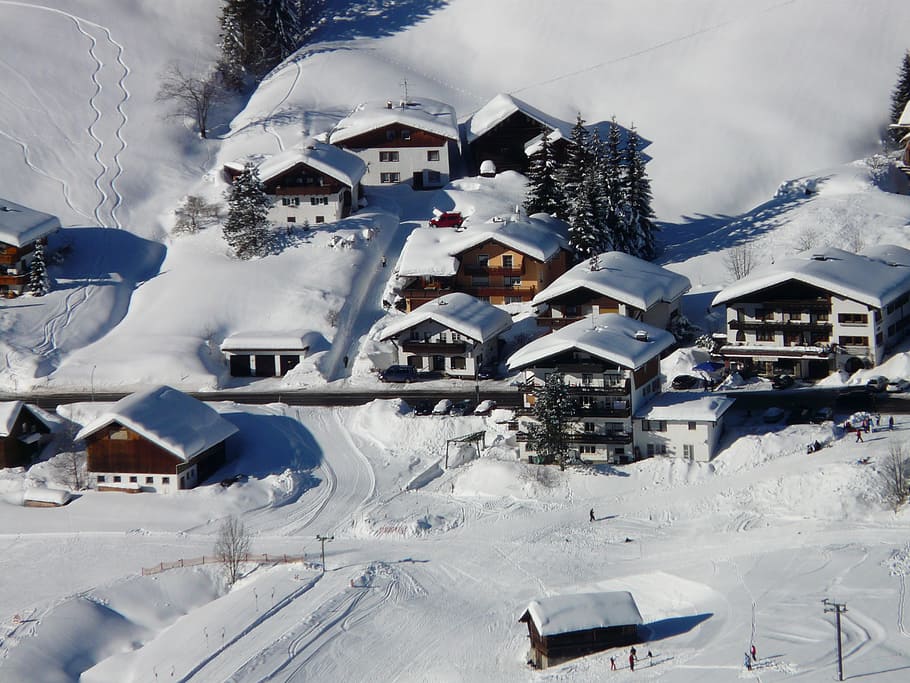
[(23, 431), (564, 627), (46, 498), (266, 354)]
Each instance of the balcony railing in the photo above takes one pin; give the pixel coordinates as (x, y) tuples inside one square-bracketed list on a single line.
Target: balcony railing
[(494, 271), (591, 411), (589, 437), (527, 292), (619, 389), (439, 348), (793, 326), (425, 292), (13, 280)]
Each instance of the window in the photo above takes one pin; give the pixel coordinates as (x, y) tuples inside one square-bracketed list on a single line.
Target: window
[(165, 480), (433, 155), (512, 281), (134, 480), (117, 478), (290, 201), (483, 260), (653, 426), (619, 450), (390, 135), (793, 316), (507, 261), (764, 314), (405, 134), (513, 300), (150, 480), (120, 435), (822, 316), (458, 363), (764, 335), (317, 201), (853, 341), (688, 451), (650, 450), (389, 177), (480, 280), (692, 426), (320, 219), (101, 479), (388, 156), (586, 449), (587, 379), (589, 427), (852, 318), (292, 219)]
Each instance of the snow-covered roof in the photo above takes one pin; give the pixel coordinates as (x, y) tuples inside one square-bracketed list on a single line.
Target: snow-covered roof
[(20, 225), (174, 421), (610, 336), (435, 251), (467, 315), (501, 107), (622, 277), (684, 407), (333, 161), (418, 113), (904, 120), (582, 611), (52, 496), (873, 277), (271, 341), (9, 411)]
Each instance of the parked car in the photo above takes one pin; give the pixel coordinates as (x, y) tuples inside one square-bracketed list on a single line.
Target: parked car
[(443, 407), (462, 408), (485, 407), (685, 382), (897, 386), (773, 414), (799, 415), (877, 383), (823, 414), (399, 373), (423, 408), (782, 381), (487, 372), (447, 219)]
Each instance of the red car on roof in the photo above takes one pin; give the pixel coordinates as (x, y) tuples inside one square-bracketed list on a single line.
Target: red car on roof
[(447, 219)]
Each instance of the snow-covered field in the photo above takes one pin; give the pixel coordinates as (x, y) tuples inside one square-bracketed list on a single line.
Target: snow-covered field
[(742, 101)]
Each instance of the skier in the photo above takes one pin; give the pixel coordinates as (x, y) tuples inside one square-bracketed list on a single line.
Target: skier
[(748, 661), (591, 514), (859, 436), (650, 659), (382, 261), (752, 652), (612, 663), (345, 361), (891, 424)]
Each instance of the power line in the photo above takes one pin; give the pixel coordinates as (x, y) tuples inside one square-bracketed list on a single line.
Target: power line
[(838, 609)]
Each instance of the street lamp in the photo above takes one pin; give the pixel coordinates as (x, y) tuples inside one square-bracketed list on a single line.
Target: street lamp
[(92, 382)]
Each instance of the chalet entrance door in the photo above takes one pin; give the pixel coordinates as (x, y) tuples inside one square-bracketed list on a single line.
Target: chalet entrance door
[(439, 363), (418, 180)]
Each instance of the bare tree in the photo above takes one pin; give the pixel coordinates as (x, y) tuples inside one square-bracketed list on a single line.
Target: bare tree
[(807, 239), (740, 260), (232, 547), (69, 468), (190, 95), (894, 476), (195, 214)]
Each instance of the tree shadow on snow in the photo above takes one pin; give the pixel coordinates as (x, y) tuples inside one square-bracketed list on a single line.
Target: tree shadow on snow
[(347, 19), (674, 626)]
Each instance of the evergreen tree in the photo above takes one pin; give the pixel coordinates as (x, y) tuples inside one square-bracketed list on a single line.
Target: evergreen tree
[(543, 189), (578, 160), (638, 195), (246, 228), (586, 236), (548, 436), (38, 284), (237, 40), (616, 212), (900, 96)]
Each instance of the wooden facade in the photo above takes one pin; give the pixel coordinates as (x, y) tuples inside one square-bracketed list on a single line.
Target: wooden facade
[(394, 136), (24, 440), (551, 650), (14, 266), (504, 144)]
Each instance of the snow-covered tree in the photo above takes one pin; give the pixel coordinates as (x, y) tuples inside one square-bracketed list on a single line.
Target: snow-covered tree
[(543, 189), (238, 40), (578, 160), (638, 197), (194, 214), (246, 228), (900, 96), (38, 283), (548, 435)]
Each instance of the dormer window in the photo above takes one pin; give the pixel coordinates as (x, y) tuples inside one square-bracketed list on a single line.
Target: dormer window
[(405, 134), (390, 135)]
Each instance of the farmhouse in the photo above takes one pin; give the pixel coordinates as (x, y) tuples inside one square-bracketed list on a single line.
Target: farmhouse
[(158, 440), (456, 334), (613, 282), (903, 124), (564, 627), (266, 354), (312, 183), (507, 260), (22, 433), (21, 229), (682, 425), (507, 130), (611, 367), (811, 313), (408, 141)]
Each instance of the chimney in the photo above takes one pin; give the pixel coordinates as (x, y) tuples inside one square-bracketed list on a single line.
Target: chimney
[(641, 336), (388, 104)]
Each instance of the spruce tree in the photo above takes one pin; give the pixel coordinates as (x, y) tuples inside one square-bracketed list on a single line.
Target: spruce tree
[(38, 284), (578, 160), (246, 228), (638, 195), (586, 236), (553, 411), (900, 96), (238, 40), (616, 213), (543, 189)]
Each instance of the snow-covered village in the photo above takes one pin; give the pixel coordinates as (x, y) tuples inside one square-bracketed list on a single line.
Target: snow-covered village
[(454, 340)]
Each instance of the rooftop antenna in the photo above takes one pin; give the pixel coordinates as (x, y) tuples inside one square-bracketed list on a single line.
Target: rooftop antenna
[(404, 85)]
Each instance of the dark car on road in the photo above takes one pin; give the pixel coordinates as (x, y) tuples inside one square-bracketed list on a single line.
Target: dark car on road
[(685, 382), (782, 381), (448, 219), (399, 373)]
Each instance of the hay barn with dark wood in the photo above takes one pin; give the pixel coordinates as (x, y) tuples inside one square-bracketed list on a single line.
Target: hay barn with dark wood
[(22, 434)]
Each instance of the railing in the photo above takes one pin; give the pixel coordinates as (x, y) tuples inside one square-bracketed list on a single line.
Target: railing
[(214, 559), (589, 437), (621, 389), (793, 326), (527, 291), (14, 280), (416, 346), (425, 292), (495, 271), (579, 411)]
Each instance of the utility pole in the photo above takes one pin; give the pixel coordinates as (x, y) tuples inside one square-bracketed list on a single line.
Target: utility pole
[(322, 540), (838, 609)]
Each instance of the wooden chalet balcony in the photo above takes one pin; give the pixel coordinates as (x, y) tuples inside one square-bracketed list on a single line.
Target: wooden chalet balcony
[(437, 348), (796, 305), (11, 255), (525, 291), (425, 292), (578, 411), (620, 389), (492, 271), (794, 326), (617, 437), (14, 280), (307, 190)]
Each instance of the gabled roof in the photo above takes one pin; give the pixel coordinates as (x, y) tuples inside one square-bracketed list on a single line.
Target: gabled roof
[(9, 412), (418, 113), (463, 313), (271, 341), (609, 336), (569, 613), (873, 277), (501, 107), (170, 419), (686, 406), (20, 225), (333, 161), (435, 251), (904, 120), (622, 277)]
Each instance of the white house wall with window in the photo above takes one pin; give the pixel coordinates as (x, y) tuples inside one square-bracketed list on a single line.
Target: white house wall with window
[(611, 366), (682, 424), (413, 141), (456, 334)]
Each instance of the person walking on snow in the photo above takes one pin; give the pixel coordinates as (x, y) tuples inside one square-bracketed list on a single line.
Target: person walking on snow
[(631, 661), (859, 436), (891, 424), (612, 663), (591, 514)]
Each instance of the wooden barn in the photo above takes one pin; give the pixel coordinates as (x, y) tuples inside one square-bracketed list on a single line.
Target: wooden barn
[(159, 439), (266, 354), (22, 433), (565, 627)]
